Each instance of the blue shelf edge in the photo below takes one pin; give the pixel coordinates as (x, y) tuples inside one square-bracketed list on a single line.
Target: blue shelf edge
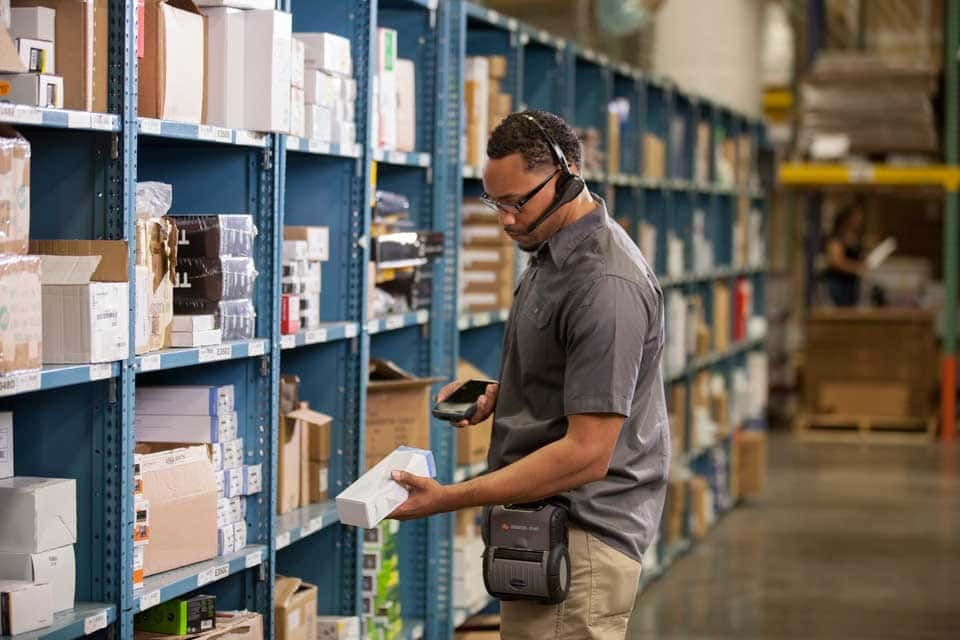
[(85, 618), (491, 17), (402, 158), (305, 521), (170, 584), (327, 332), (478, 319), (303, 145), (714, 274), (174, 358), (56, 376), (201, 132), (58, 118), (396, 321)]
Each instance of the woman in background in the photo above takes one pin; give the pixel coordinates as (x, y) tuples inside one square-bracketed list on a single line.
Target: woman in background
[(845, 266)]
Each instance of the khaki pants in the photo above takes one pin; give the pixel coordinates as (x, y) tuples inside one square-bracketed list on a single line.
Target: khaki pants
[(603, 588)]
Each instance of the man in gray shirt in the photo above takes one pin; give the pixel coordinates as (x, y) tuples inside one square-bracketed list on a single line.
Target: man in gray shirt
[(579, 413)]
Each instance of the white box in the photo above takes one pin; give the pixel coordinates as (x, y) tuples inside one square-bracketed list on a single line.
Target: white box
[(317, 249), (297, 52), (38, 56), (232, 483), (39, 514), (195, 338), (338, 628), (57, 567), (375, 495), (233, 453), (193, 323), (240, 534), (221, 485), (386, 69), (216, 455), (34, 89), (344, 133), (294, 250), (237, 507), (326, 51), (27, 607), (237, 4), (5, 13), (226, 74), (6, 444), (152, 427), (36, 23), (321, 88), (83, 321), (268, 70), (348, 89), (318, 123), (298, 122), (185, 400), (223, 510), (226, 542), (252, 479), (406, 106)]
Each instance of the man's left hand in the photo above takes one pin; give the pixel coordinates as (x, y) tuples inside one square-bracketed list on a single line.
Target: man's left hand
[(427, 497)]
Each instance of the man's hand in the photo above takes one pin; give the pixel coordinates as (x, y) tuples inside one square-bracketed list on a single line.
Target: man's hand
[(485, 403), (427, 497)]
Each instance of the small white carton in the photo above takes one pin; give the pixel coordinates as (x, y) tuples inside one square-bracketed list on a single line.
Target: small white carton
[(338, 628), (232, 483), (185, 429), (297, 52), (37, 23), (39, 514), (268, 36), (191, 323), (252, 479), (240, 534), (326, 51), (6, 444), (57, 567), (185, 400), (26, 607), (375, 494), (226, 541), (226, 75)]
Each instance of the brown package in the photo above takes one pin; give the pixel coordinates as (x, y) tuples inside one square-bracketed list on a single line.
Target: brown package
[(296, 609), (473, 442), (14, 191)]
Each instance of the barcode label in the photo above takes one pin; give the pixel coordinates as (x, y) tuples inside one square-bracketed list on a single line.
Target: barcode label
[(27, 115), (491, 16), (396, 157), (422, 316), (316, 146), (253, 559), (78, 120), (149, 600), (394, 322), (257, 348), (101, 371), (95, 623), (316, 335), (373, 326), (150, 363), (308, 528), (253, 139), (150, 126), (423, 160), (19, 384), (283, 540), (351, 331), (288, 341), (216, 352), (102, 121), (293, 143)]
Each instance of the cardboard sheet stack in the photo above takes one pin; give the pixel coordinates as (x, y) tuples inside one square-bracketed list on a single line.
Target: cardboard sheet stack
[(38, 530), (303, 455), (305, 249), (468, 589), (487, 260), (34, 33), (394, 90), (380, 610), (486, 103), (324, 101), (215, 279)]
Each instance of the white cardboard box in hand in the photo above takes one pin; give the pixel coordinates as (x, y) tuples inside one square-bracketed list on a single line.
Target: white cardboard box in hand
[(375, 495)]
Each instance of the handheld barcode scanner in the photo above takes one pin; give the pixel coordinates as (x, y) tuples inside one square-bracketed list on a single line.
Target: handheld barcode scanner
[(526, 556)]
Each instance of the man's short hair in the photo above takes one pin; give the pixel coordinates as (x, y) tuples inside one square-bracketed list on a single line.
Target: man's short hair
[(516, 134)]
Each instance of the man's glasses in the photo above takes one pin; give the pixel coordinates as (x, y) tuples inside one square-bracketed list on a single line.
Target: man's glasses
[(515, 207)]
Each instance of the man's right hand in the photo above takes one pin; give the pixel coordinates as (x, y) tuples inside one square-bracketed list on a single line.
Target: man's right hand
[(485, 403)]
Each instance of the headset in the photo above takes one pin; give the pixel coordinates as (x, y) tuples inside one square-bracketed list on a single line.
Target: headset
[(569, 185)]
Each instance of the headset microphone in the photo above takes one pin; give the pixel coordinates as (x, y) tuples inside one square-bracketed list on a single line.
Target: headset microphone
[(569, 185)]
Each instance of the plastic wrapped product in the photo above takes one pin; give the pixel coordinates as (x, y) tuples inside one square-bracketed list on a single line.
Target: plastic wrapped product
[(202, 283), (153, 199), (215, 235), (14, 191), (237, 319), (390, 203)]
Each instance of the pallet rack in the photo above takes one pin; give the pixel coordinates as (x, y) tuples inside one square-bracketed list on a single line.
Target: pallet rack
[(279, 180)]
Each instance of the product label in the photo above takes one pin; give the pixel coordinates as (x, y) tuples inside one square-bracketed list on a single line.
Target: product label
[(482, 318), (217, 134), (253, 559), (317, 146), (103, 122), (78, 120), (293, 619), (316, 335), (11, 385), (206, 577), (256, 347), (351, 331), (422, 316), (150, 363), (215, 352), (396, 157), (149, 600), (394, 322), (288, 341), (283, 540), (150, 126), (95, 623), (101, 371)]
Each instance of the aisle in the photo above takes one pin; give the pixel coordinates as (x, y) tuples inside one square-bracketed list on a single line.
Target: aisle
[(848, 543)]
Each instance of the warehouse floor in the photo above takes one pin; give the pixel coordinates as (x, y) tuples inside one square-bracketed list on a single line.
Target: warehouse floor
[(848, 542)]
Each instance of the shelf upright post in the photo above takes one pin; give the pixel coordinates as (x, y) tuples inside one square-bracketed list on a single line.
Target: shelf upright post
[(951, 225)]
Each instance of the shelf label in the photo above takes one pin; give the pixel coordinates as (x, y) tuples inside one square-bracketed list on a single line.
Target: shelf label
[(350, 331), (95, 623), (293, 143), (102, 121), (27, 114), (524, 38), (860, 173), (492, 16), (463, 323), (373, 326), (78, 120), (318, 146), (423, 160), (149, 600), (288, 341), (205, 577), (253, 559), (150, 363), (308, 528), (19, 384), (150, 126), (316, 335), (422, 316), (396, 157), (394, 322), (483, 318), (215, 352), (352, 150), (254, 139), (256, 348), (512, 24), (101, 371), (283, 540)]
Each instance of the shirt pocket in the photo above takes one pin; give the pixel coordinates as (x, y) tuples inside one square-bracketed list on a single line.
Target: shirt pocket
[(536, 338)]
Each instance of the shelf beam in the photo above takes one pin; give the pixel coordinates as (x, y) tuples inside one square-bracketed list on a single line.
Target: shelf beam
[(826, 175)]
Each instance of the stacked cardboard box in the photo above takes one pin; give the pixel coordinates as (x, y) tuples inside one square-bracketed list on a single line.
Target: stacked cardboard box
[(34, 35), (473, 443), (748, 464), (303, 450), (398, 411), (674, 508), (305, 249), (295, 609), (486, 103), (487, 260), (380, 609), (654, 157), (215, 276), (328, 93), (468, 588)]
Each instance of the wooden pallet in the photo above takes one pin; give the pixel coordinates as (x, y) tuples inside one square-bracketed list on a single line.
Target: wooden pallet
[(833, 427)]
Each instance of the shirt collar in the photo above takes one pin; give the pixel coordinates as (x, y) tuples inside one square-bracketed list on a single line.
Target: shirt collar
[(561, 244)]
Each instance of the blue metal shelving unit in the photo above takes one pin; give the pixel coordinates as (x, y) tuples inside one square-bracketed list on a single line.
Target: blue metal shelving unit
[(278, 180)]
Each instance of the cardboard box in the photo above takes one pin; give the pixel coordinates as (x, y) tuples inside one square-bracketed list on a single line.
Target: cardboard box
[(171, 72), (268, 76), (298, 118), (316, 434), (375, 495), (721, 317), (33, 89), (297, 63), (39, 514), (181, 487), (193, 323), (654, 157), (749, 464), (473, 442), (327, 52), (699, 518), (294, 455), (6, 445), (85, 300), (317, 240), (497, 67), (179, 617), (226, 67), (38, 56), (82, 50), (14, 191), (406, 106), (36, 23), (476, 97), (185, 400), (338, 628), (57, 567), (877, 399), (156, 253), (321, 88), (195, 338), (26, 607), (319, 482), (398, 411), (386, 72), (295, 608), (613, 143)]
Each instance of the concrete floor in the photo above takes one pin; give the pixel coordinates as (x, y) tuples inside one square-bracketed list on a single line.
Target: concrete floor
[(848, 542)]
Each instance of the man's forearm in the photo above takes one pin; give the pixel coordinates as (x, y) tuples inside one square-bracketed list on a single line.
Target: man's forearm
[(558, 467)]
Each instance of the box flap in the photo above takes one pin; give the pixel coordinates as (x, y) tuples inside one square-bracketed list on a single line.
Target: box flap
[(385, 374), (67, 269), (112, 266), (184, 5), (284, 588), (9, 58), (304, 413)]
